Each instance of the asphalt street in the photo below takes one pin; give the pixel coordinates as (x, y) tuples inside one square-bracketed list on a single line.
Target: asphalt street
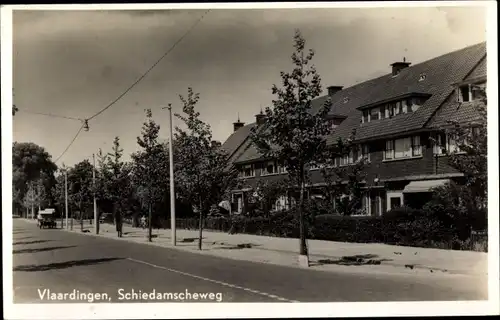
[(55, 261)]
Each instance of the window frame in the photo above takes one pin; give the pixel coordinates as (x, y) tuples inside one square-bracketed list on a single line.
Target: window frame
[(416, 146), (267, 164), (252, 170), (390, 153), (377, 114)]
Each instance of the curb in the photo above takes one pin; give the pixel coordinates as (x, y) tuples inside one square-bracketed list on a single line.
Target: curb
[(316, 256)]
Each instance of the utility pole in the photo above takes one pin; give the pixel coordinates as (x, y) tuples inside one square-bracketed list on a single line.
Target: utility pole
[(66, 194), (32, 201), (172, 184), (96, 218)]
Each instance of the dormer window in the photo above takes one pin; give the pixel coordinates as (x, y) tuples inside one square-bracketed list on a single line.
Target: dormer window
[(471, 89), (422, 77), (346, 100), (374, 114), (392, 107), (469, 92)]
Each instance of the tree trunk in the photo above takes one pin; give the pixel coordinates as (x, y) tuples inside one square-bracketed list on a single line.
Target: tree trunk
[(97, 222), (150, 227), (303, 245), (81, 218), (200, 227)]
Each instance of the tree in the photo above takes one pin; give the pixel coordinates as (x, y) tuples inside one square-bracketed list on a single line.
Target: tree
[(150, 168), (465, 206), (295, 134), (34, 197), (200, 171), (471, 157), (31, 163), (59, 192), (267, 192), (118, 186), (343, 184), (80, 187)]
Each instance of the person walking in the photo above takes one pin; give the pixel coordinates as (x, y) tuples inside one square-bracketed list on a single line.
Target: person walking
[(119, 223)]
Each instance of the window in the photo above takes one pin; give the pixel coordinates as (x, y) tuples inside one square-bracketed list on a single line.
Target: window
[(387, 109), (464, 93), (403, 148), (365, 117), (365, 152), (389, 149), (395, 202), (405, 106), (396, 108), (333, 124), (374, 114), (477, 90), (248, 171), (452, 145), (415, 146), (439, 143), (383, 112), (269, 168), (282, 169), (346, 159)]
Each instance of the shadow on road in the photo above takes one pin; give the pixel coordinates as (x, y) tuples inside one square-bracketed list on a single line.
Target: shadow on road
[(240, 246), (190, 240), (30, 242), (19, 232), (356, 260), (63, 265), (35, 250), (23, 238)]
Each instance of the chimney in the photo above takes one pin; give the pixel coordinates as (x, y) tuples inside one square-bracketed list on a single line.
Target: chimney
[(334, 89), (260, 118), (398, 66), (238, 124)]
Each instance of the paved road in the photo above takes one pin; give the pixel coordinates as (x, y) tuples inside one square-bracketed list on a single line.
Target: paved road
[(62, 262)]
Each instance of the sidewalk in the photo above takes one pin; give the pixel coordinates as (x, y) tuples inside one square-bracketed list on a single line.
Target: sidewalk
[(324, 255)]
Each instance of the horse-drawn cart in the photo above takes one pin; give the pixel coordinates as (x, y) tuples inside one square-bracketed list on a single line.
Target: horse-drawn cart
[(46, 219)]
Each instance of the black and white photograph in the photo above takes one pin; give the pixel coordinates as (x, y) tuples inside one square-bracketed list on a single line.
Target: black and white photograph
[(250, 160)]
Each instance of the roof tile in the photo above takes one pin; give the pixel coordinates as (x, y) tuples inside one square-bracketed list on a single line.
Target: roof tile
[(441, 73)]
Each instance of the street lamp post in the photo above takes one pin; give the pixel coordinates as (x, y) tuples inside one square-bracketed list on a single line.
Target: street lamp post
[(66, 194), (96, 219), (172, 184)]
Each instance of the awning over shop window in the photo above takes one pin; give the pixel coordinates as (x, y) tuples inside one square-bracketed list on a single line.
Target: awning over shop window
[(424, 185)]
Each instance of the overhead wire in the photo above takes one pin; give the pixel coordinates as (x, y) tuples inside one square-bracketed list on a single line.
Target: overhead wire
[(134, 84), (71, 143), (49, 115), (152, 67)]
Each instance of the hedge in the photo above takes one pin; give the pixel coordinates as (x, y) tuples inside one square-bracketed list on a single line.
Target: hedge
[(401, 226)]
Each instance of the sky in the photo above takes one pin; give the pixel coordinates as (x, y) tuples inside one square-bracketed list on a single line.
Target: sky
[(73, 63)]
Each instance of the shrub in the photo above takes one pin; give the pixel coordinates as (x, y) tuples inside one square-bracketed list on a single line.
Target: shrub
[(402, 226), (404, 213)]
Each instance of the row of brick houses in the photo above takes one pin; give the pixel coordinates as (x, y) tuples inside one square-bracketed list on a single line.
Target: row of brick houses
[(399, 119)]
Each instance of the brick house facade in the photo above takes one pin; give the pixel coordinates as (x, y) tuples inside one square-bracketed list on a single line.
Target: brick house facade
[(398, 118)]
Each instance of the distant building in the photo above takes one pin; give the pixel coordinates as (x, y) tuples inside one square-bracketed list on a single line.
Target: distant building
[(399, 120)]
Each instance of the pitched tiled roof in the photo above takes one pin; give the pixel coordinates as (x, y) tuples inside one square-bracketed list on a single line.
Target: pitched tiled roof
[(455, 111), (237, 138), (479, 71), (440, 72)]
